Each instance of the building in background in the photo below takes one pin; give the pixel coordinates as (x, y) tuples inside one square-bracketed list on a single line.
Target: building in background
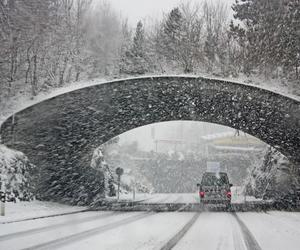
[(232, 143)]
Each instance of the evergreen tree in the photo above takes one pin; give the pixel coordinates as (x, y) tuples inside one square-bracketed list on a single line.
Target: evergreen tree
[(135, 60), (238, 34), (171, 35), (210, 50), (290, 37), (270, 34), (125, 49), (138, 48), (179, 40)]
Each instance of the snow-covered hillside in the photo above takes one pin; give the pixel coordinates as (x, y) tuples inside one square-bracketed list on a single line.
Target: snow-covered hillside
[(273, 178)]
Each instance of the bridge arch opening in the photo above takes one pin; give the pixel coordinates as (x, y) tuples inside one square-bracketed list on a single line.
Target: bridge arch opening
[(172, 156)]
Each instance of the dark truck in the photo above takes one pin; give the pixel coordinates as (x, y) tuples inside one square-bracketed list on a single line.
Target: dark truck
[(215, 189)]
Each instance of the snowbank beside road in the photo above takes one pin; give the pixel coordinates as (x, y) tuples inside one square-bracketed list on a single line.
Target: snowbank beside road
[(34, 209), (274, 230)]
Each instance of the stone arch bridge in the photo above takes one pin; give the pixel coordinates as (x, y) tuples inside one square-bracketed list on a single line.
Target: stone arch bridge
[(64, 130)]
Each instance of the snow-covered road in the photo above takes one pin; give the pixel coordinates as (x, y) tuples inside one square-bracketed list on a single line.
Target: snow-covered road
[(148, 230)]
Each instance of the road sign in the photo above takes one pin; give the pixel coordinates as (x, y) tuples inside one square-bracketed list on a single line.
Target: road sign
[(213, 166), (119, 171)]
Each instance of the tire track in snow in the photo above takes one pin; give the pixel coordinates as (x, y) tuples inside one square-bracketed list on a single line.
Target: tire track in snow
[(88, 233), (177, 237), (220, 243), (237, 234), (249, 239), (51, 227), (46, 216)]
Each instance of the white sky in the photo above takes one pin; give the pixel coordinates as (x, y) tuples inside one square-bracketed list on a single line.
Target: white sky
[(136, 10), (188, 131)]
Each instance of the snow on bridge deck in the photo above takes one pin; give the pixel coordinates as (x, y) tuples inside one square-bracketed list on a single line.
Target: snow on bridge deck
[(23, 102)]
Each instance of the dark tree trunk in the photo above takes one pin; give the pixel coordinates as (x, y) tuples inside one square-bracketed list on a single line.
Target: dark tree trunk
[(28, 66), (62, 71), (34, 77)]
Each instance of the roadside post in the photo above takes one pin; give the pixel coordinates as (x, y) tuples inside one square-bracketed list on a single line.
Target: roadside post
[(2, 196), (119, 172), (133, 190)]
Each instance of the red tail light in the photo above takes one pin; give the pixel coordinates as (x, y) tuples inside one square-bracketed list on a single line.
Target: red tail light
[(202, 194), (228, 194)]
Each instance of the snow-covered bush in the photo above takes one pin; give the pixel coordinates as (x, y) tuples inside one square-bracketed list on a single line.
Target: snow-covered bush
[(99, 164), (16, 170)]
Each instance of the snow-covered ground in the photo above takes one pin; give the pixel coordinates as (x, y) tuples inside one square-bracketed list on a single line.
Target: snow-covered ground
[(139, 230), (33, 209), (274, 230)]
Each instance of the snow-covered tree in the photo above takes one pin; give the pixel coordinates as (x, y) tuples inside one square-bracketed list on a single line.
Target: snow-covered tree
[(270, 35), (179, 39), (135, 60), (290, 37), (99, 164), (125, 48), (169, 42), (104, 38)]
